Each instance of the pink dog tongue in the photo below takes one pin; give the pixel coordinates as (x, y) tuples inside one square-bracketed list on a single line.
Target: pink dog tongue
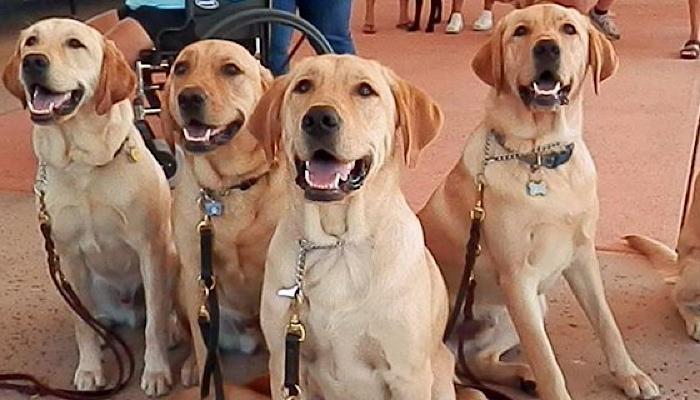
[(43, 99), (322, 173)]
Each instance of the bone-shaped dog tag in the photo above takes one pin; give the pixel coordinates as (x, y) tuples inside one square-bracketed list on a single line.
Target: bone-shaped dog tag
[(536, 188), (290, 292)]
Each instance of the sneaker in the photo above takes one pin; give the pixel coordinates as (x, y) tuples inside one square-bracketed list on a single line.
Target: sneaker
[(606, 24), (484, 22), (456, 23)]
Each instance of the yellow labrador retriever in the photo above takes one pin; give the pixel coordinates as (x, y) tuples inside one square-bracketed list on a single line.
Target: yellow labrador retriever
[(108, 199), (210, 95), (540, 199), (371, 298), (686, 292)]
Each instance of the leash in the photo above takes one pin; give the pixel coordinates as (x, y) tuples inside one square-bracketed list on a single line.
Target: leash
[(209, 318), (296, 332), (28, 384)]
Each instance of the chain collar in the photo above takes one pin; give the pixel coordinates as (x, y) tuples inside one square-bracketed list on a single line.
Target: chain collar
[(550, 155), (296, 291)]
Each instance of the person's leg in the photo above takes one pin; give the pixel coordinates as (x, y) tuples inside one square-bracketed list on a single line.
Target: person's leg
[(456, 22), (369, 17), (281, 36), (603, 21), (404, 19), (691, 49), (694, 6), (485, 20), (332, 18)]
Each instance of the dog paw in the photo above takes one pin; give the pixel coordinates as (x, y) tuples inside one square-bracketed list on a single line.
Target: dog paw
[(638, 385), (156, 383), (189, 374), (86, 379), (692, 326)]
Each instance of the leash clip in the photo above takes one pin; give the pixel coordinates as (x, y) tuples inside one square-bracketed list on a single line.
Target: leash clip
[(296, 328)]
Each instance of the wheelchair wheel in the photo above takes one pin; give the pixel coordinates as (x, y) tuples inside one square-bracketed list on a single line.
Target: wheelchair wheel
[(268, 16)]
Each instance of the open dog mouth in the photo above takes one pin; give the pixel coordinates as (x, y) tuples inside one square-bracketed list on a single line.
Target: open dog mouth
[(201, 138), (45, 104), (547, 91), (326, 178)]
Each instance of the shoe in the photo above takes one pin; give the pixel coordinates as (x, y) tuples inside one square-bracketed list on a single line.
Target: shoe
[(456, 24), (484, 22), (606, 24)]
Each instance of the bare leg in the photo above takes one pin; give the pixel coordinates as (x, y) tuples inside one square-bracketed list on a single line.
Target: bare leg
[(457, 5), (584, 278), (694, 6), (369, 17), (604, 5)]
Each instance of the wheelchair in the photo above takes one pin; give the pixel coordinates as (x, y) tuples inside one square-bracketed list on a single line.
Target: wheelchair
[(246, 22)]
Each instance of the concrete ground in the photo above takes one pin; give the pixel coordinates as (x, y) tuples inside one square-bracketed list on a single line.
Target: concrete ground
[(642, 131)]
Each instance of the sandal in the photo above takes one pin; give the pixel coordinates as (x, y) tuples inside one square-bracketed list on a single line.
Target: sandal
[(404, 25), (691, 50), (369, 29)]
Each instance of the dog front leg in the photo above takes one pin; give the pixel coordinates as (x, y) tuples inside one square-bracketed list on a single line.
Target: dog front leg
[(156, 260), (526, 312), (89, 374), (585, 281)]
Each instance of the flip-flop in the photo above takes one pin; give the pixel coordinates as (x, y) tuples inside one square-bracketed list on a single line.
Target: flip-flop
[(404, 25), (691, 50), (369, 29)]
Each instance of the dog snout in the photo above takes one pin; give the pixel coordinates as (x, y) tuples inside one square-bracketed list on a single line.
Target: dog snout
[(321, 122), (546, 50), (35, 65), (191, 101)]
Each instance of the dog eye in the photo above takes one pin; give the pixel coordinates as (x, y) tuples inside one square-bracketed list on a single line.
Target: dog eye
[(180, 68), (31, 41), (569, 29), (303, 86), (365, 90), (75, 44), (521, 31), (231, 69)]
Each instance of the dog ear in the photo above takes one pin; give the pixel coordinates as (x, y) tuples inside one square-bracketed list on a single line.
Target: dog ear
[(602, 57), (266, 77), (419, 118), (488, 61), (265, 122), (10, 77), (167, 123), (117, 79)]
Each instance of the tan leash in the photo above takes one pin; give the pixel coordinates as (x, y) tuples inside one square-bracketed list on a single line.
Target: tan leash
[(28, 384)]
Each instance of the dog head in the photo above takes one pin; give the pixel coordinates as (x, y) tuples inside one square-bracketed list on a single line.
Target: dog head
[(212, 89), (336, 119), (541, 54), (62, 67)]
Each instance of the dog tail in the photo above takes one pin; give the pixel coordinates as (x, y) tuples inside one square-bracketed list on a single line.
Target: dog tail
[(662, 257)]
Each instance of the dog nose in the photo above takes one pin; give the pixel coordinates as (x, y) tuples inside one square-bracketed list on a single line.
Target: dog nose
[(546, 50), (191, 100), (35, 64), (321, 121)]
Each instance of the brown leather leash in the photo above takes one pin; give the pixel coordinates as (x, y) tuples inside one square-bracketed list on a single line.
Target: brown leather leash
[(31, 386), (465, 302)]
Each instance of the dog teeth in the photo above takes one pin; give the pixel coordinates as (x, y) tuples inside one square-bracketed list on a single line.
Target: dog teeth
[(191, 138), (542, 92)]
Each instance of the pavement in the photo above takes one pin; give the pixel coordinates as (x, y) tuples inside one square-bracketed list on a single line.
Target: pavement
[(642, 130)]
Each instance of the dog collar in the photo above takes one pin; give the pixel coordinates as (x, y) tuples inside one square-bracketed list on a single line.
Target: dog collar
[(550, 156), (210, 200)]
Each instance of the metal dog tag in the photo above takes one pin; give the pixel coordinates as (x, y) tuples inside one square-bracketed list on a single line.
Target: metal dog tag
[(289, 293), (212, 208), (536, 188)]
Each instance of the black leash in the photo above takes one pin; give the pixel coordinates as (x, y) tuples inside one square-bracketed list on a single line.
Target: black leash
[(465, 301), (209, 316), (31, 386)]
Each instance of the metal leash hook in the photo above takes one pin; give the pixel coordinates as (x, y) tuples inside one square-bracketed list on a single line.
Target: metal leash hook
[(296, 331)]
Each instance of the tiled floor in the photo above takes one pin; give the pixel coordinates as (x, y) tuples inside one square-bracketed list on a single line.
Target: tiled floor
[(641, 129)]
